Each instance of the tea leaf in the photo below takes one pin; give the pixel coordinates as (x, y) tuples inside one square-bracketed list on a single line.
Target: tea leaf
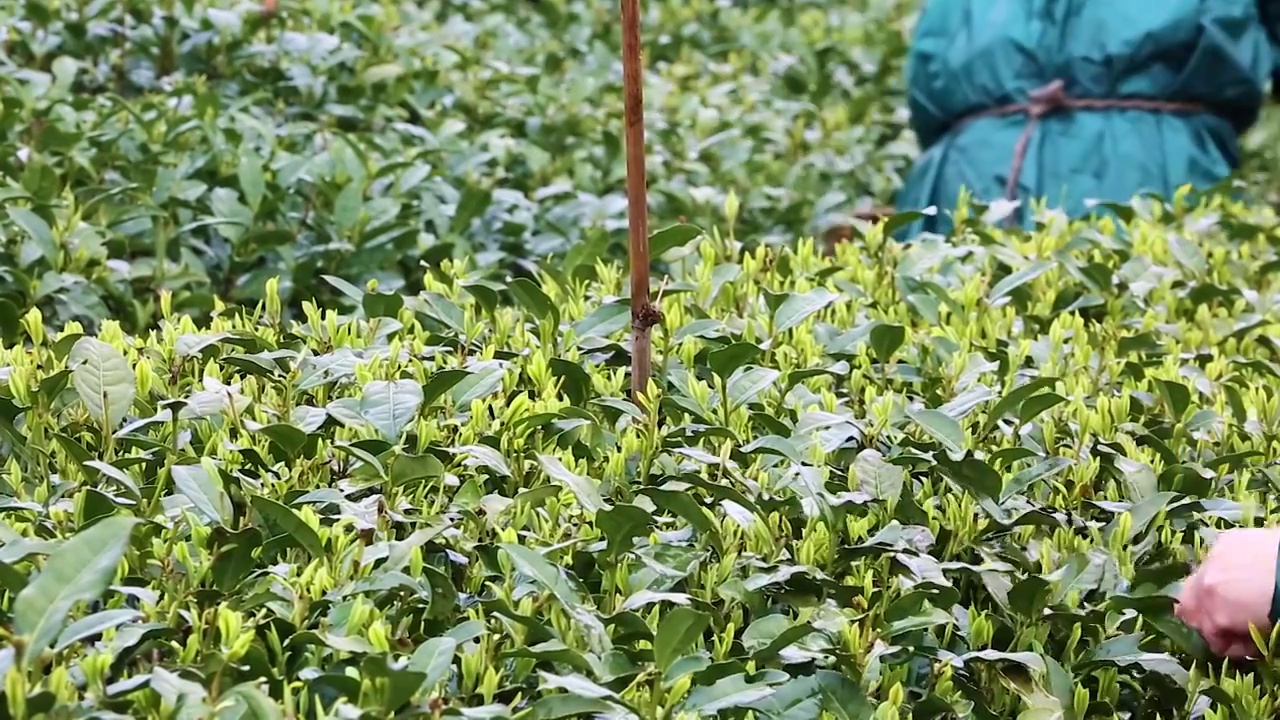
[(800, 307), (583, 488), (878, 478), (391, 406), (103, 380), (942, 428), (78, 571), (680, 628)]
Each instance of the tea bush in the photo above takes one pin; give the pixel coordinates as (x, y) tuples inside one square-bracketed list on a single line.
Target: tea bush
[(200, 148), (298, 420), (956, 478)]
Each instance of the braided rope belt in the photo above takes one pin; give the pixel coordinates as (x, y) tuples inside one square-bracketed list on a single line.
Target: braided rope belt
[(1041, 102), (1052, 98)]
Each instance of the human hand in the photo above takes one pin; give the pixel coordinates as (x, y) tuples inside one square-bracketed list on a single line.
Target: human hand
[(1232, 589)]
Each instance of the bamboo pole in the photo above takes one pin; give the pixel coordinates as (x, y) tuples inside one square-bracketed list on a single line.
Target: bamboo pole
[(643, 314)]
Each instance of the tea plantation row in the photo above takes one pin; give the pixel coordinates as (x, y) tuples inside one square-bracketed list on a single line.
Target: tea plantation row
[(946, 479), (201, 148)]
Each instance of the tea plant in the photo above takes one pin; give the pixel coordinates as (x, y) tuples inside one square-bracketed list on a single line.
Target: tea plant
[(202, 148), (957, 478)]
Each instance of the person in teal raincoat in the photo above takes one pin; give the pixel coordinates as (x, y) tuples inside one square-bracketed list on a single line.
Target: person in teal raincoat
[(1071, 100)]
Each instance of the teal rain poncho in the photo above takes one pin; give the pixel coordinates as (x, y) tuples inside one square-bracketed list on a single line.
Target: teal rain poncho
[(972, 57)]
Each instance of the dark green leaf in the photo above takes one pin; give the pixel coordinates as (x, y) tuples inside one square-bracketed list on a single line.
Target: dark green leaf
[(726, 360), (533, 299), (877, 478), (670, 237), (679, 628), (886, 339), (291, 523), (1036, 404)]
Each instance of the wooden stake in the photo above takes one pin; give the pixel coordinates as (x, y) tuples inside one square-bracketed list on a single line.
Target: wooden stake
[(643, 314)]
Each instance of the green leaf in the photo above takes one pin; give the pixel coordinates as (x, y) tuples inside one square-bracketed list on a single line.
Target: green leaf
[(381, 305), (533, 299), (576, 382), (204, 490), (291, 523), (347, 207), (234, 555), (679, 628), (1177, 395), (38, 230), (1124, 650), (78, 571), (411, 468), (941, 427), (1023, 480), (877, 478), (485, 456), (902, 219), (622, 524), (748, 383), (103, 379), (249, 172), (842, 696), (687, 508), (10, 323), (1188, 254), (806, 697), (775, 638), (478, 384), (94, 624), (974, 475), (586, 490), (534, 566), (564, 705), (252, 702), (287, 438), (800, 307), (117, 476), (1138, 479), (733, 691), (445, 311), (382, 72), (1013, 400), (434, 658), (670, 237), (575, 684), (726, 360), (1017, 279), (442, 382), (351, 291), (391, 405), (1037, 404), (603, 321), (885, 340), (365, 457)]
